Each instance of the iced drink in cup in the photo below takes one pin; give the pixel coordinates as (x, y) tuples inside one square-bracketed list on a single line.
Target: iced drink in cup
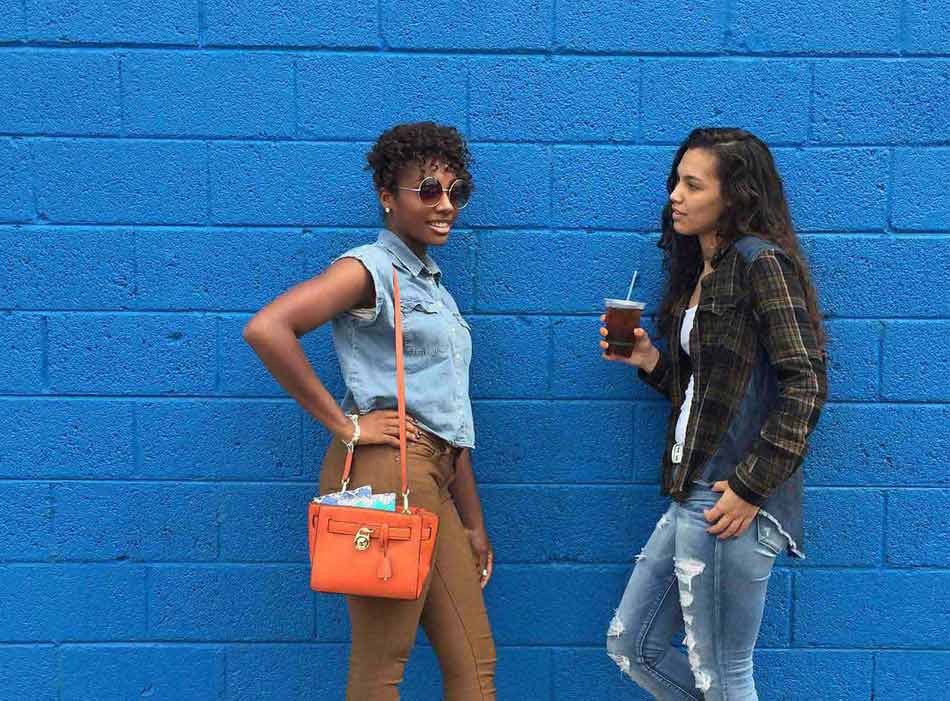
[(623, 317)]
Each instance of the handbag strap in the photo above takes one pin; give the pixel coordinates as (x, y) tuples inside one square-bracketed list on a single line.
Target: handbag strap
[(400, 403)]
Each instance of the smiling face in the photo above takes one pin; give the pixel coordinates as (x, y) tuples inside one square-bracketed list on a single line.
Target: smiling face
[(416, 223), (697, 198)]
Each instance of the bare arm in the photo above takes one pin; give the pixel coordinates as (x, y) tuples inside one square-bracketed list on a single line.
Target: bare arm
[(274, 331), (465, 495)]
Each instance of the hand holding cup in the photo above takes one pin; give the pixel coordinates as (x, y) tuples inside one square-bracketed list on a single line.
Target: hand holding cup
[(642, 353)]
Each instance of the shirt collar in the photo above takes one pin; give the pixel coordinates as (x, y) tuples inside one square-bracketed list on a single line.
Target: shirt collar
[(404, 255), (721, 253)]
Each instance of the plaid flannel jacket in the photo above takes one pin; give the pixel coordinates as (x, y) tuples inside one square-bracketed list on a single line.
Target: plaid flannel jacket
[(743, 307)]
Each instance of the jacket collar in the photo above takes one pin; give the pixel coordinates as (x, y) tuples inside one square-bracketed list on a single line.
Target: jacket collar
[(410, 261), (721, 284)]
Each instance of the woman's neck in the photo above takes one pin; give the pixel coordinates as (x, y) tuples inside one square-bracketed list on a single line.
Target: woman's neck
[(708, 244), (418, 248)]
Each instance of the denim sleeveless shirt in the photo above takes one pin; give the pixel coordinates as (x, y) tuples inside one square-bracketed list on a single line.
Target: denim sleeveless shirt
[(437, 343)]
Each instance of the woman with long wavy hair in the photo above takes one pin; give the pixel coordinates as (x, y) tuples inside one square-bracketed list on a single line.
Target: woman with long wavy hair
[(745, 371)]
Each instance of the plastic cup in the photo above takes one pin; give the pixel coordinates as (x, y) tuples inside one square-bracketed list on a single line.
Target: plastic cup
[(623, 318)]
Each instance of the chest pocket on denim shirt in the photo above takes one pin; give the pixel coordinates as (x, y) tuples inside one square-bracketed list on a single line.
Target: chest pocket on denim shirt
[(425, 333), (464, 346)]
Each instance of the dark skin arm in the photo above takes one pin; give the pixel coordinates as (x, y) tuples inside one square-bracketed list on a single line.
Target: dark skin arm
[(465, 494), (274, 331)]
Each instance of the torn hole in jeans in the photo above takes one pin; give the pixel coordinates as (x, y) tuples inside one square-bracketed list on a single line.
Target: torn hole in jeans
[(615, 630), (622, 661), (686, 570)]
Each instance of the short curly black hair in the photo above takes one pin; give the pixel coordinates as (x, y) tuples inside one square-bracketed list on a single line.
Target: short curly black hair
[(417, 143)]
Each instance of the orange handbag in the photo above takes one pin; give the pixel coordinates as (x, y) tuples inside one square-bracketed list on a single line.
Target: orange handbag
[(372, 552)]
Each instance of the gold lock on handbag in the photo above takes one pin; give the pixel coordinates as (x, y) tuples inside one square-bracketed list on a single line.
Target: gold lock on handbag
[(361, 540)]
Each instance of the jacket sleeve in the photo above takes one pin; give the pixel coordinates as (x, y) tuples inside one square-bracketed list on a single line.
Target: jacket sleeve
[(661, 377), (789, 338)]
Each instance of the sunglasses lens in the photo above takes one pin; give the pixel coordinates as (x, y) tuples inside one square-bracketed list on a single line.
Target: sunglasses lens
[(459, 193), (430, 191)]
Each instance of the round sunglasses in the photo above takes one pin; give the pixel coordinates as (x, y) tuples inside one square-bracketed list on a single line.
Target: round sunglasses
[(430, 192)]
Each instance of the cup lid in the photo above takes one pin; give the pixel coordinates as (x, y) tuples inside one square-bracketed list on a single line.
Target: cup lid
[(623, 303)]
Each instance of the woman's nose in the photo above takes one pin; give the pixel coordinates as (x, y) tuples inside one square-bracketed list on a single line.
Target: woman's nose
[(445, 204)]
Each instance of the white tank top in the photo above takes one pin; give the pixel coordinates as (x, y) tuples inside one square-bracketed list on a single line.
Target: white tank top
[(680, 433)]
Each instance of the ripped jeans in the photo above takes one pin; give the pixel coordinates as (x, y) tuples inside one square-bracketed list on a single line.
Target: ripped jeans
[(686, 578)]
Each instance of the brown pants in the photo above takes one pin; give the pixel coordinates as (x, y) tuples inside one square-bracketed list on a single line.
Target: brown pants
[(451, 607)]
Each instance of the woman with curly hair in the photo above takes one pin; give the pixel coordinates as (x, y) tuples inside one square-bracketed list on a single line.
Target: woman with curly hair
[(421, 177), (745, 371)]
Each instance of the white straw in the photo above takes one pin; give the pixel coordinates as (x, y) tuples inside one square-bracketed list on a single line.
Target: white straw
[(633, 282)]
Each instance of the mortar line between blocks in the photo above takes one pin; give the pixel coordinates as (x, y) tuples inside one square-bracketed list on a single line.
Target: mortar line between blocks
[(480, 399), (792, 593), (207, 182), (886, 517), (296, 74), (629, 485), (204, 643), (902, 28), (663, 145), (217, 529), (136, 443), (316, 617), (727, 13), (90, 46), (223, 695), (59, 671), (550, 213), (641, 67), (217, 354), (300, 430), (553, 39), (380, 31), (202, 22), (147, 588), (120, 60), (882, 333), (44, 354), (549, 383), (889, 195), (810, 134), (551, 676), (135, 262), (874, 674), (51, 496), (468, 99), (34, 182), (477, 254)]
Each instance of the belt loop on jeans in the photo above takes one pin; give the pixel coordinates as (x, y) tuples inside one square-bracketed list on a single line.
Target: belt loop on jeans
[(676, 454)]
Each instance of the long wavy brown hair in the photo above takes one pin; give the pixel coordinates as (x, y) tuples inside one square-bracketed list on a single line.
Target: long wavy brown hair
[(755, 205)]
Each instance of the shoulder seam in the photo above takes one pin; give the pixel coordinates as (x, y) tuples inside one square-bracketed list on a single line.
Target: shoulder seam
[(761, 249)]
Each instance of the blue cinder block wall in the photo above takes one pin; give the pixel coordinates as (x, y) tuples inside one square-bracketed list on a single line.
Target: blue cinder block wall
[(166, 168)]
